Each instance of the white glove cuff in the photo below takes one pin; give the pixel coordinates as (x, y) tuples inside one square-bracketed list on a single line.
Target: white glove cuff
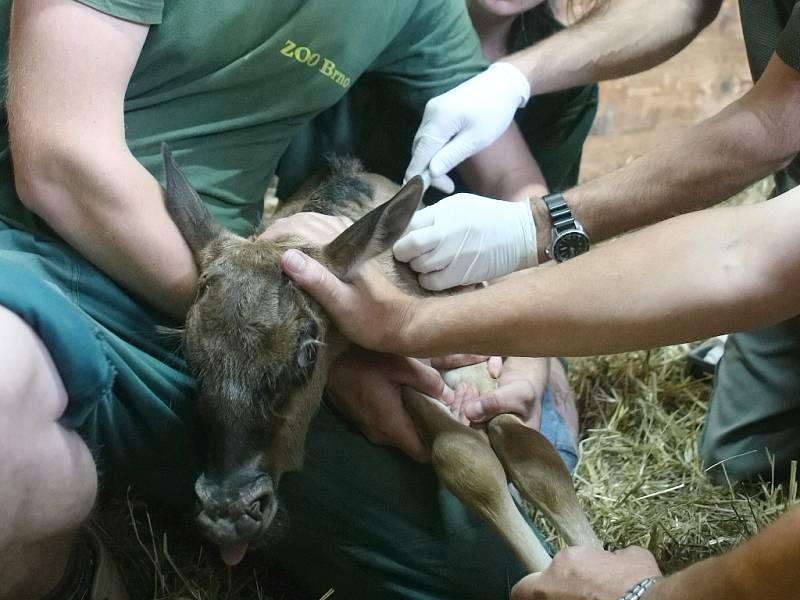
[(517, 79), (531, 257)]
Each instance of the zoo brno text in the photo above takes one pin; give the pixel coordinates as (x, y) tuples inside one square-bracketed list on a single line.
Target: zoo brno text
[(306, 56)]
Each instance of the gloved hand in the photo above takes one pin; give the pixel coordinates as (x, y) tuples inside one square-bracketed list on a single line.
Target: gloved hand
[(465, 120), (466, 239)]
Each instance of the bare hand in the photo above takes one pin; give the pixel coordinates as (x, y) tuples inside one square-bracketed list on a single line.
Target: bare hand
[(583, 573), (366, 389), (463, 394), (316, 228), (520, 389), (370, 311)]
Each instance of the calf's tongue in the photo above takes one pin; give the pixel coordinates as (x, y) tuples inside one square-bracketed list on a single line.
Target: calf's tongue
[(233, 555)]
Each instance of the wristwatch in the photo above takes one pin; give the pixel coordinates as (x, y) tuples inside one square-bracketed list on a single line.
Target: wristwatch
[(637, 592), (568, 239)]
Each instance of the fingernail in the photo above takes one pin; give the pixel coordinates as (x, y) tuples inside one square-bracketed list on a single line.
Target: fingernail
[(294, 261), (495, 368)]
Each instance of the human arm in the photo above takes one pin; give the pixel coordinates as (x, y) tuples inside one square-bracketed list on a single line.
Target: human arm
[(71, 162), (687, 278), (506, 169), (614, 39), (691, 277), (751, 138), (748, 140), (764, 567)]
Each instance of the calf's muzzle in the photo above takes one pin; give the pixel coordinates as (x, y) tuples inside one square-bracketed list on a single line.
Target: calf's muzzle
[(235, 511)]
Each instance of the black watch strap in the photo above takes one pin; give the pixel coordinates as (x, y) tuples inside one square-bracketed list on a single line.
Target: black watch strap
[(560, 214)]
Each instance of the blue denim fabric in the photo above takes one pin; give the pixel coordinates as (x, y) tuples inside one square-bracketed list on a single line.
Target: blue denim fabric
[(555, 429)]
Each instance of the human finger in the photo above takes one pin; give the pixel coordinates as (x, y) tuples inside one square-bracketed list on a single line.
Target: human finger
[(443, 183), (327, 289), (427, 142), (424, 217), (416, 243), (495, 366), (446, 278), (421, 377), (525, 587), (432, 261), (514, 397), (453, 154)]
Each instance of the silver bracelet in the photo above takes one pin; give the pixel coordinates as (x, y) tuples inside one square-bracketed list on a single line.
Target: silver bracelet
[(639, 589)]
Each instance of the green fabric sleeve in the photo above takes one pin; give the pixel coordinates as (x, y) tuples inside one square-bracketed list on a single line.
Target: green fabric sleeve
[(435, 51), (147, 12), (788, 47)]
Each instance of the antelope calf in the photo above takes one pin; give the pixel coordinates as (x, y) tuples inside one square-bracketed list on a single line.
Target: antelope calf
[(260, 350)]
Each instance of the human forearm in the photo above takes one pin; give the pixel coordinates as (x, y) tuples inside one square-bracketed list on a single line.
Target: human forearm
[(687, 278), (506, 169), (700, 168), (710, 162), (110, 209), (616, 38), (764, 567), (72, 165)]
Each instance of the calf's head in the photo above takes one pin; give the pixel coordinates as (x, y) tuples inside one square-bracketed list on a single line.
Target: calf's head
[(259, 349)]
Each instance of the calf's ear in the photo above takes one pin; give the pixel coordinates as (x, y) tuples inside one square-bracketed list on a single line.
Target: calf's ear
[(186, 208), (375, 232)]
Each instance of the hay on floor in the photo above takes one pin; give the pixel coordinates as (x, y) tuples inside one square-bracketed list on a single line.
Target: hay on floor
[(640, 476)]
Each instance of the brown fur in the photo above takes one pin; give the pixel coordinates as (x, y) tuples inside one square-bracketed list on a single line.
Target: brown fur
[(260, 350)]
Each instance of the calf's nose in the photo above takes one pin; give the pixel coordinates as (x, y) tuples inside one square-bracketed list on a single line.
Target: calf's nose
[(235, 511)]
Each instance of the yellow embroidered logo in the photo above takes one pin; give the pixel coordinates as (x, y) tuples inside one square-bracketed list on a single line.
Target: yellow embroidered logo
[(309, 58)]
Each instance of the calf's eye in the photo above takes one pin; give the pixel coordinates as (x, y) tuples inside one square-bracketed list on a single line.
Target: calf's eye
[(307, 354), (308, 345)]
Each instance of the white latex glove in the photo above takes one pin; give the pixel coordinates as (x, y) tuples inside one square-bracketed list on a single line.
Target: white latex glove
[(467, 239), (465, 120)]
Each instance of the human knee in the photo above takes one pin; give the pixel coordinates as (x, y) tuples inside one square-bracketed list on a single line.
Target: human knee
[(47, 488), (47, 475), (30, 386)]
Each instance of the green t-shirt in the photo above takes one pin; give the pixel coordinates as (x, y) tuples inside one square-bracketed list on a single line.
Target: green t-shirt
[(227, 84), (773, 27)]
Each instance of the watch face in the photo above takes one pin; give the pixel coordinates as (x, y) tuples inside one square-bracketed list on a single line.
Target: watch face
[(570, 245)]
